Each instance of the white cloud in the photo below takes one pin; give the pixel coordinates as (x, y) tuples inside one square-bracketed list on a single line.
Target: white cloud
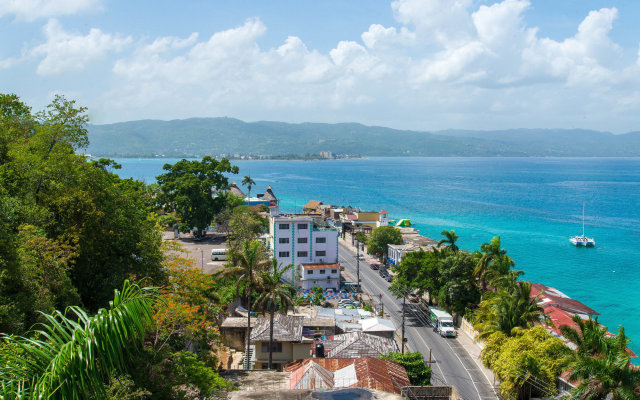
[(30, 10), (65, 52), (445, 63)]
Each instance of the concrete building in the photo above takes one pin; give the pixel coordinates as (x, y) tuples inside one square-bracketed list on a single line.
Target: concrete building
[(383, 218), (326, 276), (396, 251), (300, 239)]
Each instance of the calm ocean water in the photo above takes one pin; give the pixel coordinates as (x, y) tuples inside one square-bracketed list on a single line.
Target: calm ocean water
[(535, 204)]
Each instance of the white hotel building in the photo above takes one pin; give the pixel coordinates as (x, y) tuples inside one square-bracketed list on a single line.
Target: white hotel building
[(297, 239)]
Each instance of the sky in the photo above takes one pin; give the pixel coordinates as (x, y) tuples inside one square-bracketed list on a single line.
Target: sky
[(408, 64)]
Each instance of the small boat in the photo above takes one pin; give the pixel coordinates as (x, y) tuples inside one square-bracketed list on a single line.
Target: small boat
[(582, 240)]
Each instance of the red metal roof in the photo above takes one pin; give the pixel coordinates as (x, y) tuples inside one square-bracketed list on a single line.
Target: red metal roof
[(553, 297), (371, 372), (383, 212)]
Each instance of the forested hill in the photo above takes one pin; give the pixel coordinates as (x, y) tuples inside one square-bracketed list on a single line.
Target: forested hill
[(217, 136)]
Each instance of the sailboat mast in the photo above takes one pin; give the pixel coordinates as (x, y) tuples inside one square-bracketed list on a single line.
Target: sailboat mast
[(583, 219)]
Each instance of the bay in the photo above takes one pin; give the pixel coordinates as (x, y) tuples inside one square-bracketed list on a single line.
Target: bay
[(535, 204)]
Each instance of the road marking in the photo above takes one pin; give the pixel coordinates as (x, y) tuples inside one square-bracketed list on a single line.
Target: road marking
[(420, 336)]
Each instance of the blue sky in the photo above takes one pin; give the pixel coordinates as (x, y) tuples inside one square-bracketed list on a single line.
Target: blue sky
[(409, 64)]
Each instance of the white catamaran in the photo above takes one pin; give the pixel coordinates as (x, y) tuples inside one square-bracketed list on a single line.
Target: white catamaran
[(582, 240)]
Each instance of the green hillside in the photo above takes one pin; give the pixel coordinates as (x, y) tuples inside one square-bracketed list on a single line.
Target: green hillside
[(228, 136)]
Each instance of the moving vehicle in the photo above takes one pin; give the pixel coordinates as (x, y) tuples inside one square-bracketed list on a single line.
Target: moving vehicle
[(443, 321), (218, 254)]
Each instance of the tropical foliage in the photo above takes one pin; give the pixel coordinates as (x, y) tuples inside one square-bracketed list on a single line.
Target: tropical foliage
[(73, 231), (418, 372), (381, 237), (509, 311), (186, 189), (274, 294), (72, 354), (527, 364), (601, 363)]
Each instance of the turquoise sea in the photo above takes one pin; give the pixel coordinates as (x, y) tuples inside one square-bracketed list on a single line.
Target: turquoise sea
[(535, 204)]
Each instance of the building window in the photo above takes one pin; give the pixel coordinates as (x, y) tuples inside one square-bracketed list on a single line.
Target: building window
[(321, 253), (323, 271), (283, 226), (334, 271), (283, 240), (283, 254), (303, 226), (310, 272), (321, 240), (303, 240), (303, 254), (276, 347)]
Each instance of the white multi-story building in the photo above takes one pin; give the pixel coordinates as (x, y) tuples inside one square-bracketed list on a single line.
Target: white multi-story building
[(326, 276), (297, 239)]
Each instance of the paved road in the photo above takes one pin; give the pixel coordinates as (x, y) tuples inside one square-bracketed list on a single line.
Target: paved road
[(451, 364)]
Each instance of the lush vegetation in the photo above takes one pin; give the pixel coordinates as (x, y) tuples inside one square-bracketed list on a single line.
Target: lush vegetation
[(418, 372), (381, 237), (527, 364), (186, 189), (601, 363), (227, 136), (73, 232), (483, 286)]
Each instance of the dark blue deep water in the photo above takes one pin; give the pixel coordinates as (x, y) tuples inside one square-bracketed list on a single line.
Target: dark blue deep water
[(535, 204)]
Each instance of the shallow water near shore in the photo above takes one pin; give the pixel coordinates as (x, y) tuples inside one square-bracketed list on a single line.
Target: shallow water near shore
[(535, 204)]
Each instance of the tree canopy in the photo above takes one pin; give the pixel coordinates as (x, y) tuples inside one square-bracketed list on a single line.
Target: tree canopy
[(381, 237), (188, 188)]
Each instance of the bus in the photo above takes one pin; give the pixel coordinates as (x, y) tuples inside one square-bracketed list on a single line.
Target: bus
[(218, 254)]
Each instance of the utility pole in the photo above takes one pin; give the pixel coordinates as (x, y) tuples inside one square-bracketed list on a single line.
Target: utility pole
[(404, 299), (358, 264), (202, 258)]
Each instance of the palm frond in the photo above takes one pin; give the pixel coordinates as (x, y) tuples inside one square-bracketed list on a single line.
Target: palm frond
[(72, 354)]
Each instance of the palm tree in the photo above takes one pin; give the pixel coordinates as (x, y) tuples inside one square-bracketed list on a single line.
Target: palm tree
[(251, 259), (274, 292), (590, 337), (249, 182), (600, 362), (450, 238), (70, 358), (493, 265), (509, 311)]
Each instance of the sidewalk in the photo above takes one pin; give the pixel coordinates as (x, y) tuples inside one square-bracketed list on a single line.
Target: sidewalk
[(474, 352)]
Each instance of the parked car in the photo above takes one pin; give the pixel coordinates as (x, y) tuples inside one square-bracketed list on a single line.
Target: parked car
[(374, 266), (414, 297), (388, 277), (384, 273), (360, 256)]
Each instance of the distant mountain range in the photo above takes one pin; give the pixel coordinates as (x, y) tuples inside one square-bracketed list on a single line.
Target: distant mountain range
[(227, 136)]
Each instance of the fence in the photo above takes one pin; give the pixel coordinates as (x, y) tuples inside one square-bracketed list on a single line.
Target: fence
[(467, 328)]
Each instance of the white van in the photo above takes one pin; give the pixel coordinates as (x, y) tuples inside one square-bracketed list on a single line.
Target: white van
[(218, 254)]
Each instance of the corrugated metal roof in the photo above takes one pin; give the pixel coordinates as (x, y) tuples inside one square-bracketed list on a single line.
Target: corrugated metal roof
[(370, 372), (553, 297), (286, 328), (359, 344), (377, 325), (237, 322)]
